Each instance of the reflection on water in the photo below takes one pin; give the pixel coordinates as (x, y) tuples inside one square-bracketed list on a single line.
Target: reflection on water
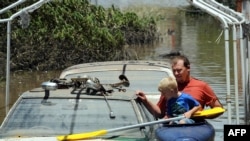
[(192, 35)]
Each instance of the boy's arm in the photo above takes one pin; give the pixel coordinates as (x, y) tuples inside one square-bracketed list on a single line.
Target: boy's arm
[(152, 108), (189, 113)]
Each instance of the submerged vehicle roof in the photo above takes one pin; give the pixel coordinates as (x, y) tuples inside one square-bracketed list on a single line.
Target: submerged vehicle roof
[(87, 97)]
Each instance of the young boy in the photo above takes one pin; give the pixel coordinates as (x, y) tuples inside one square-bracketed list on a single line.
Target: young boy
[(178, 103)]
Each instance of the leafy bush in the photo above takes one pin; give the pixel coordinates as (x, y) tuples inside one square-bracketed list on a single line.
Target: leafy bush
[(66, 32)]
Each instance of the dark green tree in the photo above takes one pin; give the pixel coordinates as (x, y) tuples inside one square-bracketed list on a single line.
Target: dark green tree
[(66, 32)]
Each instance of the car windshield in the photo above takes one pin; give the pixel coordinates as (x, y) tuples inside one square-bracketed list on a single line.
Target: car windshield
[(65, 116), (146, 80)]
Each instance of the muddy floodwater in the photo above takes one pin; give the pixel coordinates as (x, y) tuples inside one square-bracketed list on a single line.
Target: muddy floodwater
[(197, 36)]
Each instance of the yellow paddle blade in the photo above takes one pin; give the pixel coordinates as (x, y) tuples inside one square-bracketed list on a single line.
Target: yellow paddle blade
[(82, 135), (209, 112)]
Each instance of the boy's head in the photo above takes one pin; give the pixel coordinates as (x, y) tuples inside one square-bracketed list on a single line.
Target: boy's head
[(168, 86)]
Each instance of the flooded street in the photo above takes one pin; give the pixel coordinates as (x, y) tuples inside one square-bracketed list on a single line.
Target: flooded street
[(193, 35)]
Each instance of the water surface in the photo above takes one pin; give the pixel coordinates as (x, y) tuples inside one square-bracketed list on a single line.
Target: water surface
[(193, 35)]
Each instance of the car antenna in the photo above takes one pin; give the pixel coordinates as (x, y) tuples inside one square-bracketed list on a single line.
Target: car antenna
[(122, 77), (111, 113)]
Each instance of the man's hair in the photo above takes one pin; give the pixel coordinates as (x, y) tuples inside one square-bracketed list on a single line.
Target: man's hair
[(168, 83), (181, 57)]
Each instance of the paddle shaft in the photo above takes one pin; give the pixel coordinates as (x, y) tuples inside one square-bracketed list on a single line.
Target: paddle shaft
[(144, 124), (204, 113), (89, 135)]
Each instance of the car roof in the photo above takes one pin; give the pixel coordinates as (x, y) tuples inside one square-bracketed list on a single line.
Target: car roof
[(71, 109), (117, 65), (142, 75)]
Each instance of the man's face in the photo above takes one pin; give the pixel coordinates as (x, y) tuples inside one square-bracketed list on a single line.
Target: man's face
[(180, 72)]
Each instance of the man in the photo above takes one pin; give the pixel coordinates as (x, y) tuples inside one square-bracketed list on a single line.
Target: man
[(198, 89)]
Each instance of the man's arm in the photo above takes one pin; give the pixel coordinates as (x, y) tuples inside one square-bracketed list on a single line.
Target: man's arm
[(215, 104)]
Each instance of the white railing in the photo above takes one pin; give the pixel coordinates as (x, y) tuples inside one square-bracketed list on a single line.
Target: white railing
[(24, 14), (229, 18)]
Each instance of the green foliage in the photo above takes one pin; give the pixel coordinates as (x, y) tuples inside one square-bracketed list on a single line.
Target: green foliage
[(66, 32)]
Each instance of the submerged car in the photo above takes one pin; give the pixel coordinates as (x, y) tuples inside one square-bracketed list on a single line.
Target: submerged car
[(85, 98)]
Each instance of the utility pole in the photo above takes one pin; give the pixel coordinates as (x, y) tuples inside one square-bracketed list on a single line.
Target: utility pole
[(245, 4)]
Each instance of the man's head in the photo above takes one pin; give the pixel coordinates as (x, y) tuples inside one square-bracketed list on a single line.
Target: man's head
[(181, 68), (168, 87)]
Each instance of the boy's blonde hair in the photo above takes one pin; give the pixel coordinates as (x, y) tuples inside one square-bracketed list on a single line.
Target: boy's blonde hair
[(168, 83)]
